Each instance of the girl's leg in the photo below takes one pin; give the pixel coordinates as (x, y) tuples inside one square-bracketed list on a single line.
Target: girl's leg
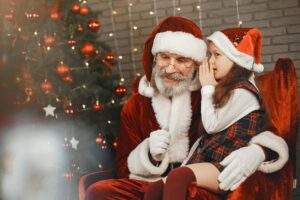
[(179, 180), (177, 183), (154, 191), (206, 176)]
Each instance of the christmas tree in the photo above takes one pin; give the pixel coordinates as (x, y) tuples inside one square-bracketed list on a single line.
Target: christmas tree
[(55, 67)]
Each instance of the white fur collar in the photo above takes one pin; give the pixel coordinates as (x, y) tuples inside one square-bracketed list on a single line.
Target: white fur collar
[(175, 116), (147, 90)]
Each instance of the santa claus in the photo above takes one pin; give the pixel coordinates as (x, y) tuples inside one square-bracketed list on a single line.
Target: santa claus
[(160, 122)]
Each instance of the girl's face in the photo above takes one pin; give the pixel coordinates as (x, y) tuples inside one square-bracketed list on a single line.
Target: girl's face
[(220, 63)]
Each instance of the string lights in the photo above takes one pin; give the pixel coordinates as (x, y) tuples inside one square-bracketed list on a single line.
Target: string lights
[(133, 49), (200, 14), (115, 37), (239, 22)]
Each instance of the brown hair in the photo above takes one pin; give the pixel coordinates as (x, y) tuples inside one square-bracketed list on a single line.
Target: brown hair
[(226, 85)]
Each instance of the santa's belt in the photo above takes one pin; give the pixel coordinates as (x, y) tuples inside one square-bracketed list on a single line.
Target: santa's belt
[(170, 167)]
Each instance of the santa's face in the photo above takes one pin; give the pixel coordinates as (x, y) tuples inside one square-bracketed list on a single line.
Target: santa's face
[(173, 73)]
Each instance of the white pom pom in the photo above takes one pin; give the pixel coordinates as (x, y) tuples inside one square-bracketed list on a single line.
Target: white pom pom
[(145, 88), (148, 91), (258, 68)]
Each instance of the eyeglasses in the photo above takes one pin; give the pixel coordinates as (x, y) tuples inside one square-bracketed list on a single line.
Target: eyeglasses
[(164, 60)]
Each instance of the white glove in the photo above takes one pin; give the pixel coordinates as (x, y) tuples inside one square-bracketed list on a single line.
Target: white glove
[(158, 144), (239, 165)]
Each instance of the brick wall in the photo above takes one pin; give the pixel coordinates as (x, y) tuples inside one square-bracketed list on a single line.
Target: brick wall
[(279, 21)]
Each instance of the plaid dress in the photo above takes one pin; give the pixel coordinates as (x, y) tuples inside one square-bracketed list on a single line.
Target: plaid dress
[(215, 147)]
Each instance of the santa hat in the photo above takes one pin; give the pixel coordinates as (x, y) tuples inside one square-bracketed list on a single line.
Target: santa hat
[(175, 35), (241, 45)]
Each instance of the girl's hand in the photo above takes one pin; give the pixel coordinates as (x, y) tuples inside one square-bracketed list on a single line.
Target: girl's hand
[(206, 74)]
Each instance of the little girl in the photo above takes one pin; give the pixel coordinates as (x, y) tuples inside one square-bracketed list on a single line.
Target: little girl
[(231, 112)]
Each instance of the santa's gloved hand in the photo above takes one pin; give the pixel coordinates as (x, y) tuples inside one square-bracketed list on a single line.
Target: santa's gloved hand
[(158, 143), (239, 165)]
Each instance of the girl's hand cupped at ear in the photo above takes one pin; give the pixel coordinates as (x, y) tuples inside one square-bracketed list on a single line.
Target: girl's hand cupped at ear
[(206, 74)]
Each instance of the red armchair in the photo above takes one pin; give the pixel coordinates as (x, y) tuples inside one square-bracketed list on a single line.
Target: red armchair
[(280, 91)]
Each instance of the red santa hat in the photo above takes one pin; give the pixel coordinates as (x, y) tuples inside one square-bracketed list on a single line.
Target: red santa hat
[(241, 45), (175, 35)]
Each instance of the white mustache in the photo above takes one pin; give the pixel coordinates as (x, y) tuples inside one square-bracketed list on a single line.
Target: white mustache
[(175, 76)]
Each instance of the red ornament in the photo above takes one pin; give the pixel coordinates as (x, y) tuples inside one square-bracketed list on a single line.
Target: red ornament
[(94, 25), (62, 69), (99, 140), (46, 86), (110, 57), (79, 28), (72, 42), (9, 16), (49, 40), (55, 15), (75, 8), (84, 10), (68, 79), (97, 106), (69, 110), (115, 144), (87, 49), (120, 91)]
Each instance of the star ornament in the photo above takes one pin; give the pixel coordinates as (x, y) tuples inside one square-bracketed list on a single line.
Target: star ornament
[(74, 143), (49, 110)]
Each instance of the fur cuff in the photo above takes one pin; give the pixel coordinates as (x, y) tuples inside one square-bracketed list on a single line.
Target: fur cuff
[(270, 140), (139, 163)]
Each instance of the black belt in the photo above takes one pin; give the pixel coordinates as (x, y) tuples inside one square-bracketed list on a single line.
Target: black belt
[(170, 167)]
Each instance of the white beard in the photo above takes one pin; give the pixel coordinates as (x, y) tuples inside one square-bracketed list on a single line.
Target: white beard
[(171, 90)]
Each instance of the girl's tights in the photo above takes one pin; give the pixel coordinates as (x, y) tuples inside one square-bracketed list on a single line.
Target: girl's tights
[(175, 188)]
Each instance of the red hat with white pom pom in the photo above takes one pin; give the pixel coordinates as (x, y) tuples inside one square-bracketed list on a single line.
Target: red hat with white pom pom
[(241, 45)]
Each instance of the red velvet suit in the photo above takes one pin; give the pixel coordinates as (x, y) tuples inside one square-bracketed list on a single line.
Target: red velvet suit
[(138, 121)]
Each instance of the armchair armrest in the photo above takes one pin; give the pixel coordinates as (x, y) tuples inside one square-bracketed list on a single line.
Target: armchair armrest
[(89, 179)]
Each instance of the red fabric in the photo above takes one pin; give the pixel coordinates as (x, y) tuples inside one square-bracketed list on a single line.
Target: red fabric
[(177, 183), (117, 189), (172, 23), (155, 191), (138, 121)]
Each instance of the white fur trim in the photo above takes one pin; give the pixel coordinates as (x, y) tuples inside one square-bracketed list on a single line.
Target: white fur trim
[(145, 88), (162, 108), (140, 165), (180, 120), (181, 43), (275, 143), (191, 152), (225, 45), (258, 68), (175, 117), (147, 179)]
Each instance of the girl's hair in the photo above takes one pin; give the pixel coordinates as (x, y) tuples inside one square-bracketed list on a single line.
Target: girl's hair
[(226, 85)]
